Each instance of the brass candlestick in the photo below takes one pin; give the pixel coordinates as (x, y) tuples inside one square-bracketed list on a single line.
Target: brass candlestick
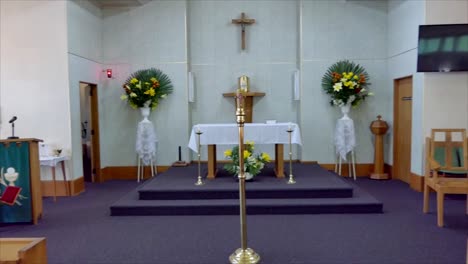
[(243, 255), (199, 181), (291, 177)]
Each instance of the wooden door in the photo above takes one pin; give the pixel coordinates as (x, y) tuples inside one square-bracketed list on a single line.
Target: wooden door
[(403, 100), (95, 149)]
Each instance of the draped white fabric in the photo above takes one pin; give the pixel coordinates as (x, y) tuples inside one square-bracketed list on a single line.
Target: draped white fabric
[(51, 161), (146, 142), (345, 139), (227, 134)]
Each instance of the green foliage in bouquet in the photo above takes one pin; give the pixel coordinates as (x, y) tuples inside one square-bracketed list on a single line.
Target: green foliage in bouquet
[(253, 163), (144, 88), (346, 82)]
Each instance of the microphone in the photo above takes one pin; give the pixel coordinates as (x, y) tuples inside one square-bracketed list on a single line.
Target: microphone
[(13, 119)]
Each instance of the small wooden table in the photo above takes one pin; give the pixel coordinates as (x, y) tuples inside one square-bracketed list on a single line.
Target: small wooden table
[(53, 161), (259, 133)]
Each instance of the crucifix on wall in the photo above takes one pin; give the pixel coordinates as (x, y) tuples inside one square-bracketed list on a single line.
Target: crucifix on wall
[(243, 22)]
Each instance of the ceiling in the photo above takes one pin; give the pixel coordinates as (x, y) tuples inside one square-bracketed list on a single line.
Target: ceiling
[(118, 3)]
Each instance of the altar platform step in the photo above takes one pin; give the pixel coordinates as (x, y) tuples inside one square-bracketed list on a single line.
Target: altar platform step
[(359, 203), (312, 182), (317, 191)]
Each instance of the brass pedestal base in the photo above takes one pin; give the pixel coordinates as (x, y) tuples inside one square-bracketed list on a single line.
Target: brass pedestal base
[(246, 256), (199, 182), (291, 180), (379, 176)]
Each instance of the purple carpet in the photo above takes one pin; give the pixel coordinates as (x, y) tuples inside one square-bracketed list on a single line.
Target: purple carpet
[(81, 230)]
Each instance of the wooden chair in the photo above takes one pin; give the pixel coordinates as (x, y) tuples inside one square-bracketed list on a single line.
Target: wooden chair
[(445, 156)]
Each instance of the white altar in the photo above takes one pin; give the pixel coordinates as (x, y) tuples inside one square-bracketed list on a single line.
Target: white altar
[(260, 133)]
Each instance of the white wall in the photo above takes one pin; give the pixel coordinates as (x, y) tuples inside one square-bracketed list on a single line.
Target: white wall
[(34, 71), (404, 18), (332, 31), (446, 94), (149, 36), (84, 54)]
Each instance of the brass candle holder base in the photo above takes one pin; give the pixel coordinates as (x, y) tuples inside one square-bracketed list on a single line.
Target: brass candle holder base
[(244, 256), (291, 179), (199, 182)]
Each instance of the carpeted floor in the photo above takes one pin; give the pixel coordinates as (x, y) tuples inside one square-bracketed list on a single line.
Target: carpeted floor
[(81, 230)]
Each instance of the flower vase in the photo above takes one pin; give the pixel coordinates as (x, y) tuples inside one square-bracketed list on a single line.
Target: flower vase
[(145, 112), (248, 176), (345, 110)]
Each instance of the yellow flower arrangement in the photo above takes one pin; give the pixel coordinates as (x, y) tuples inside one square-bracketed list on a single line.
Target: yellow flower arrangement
[(145, 88), (346, 83), (253, 163)]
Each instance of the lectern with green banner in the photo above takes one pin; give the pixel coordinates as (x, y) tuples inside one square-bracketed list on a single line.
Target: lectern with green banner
[(20, 184)]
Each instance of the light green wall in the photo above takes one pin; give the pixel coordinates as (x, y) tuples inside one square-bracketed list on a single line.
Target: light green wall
[(84, 24), (332, 31), (149, 36), (217, 61), (404, 18)]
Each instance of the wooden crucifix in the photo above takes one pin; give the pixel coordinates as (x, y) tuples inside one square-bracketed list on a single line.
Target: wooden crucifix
[(243, 21)]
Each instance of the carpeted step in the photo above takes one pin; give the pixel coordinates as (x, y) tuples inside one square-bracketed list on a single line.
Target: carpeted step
[(361, 202), (312, 182)]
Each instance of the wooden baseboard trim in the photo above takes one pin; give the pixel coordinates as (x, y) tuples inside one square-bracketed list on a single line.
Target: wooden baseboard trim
[(75, 186), (416, 182), (362, 170), (308, 162), (128, 172)]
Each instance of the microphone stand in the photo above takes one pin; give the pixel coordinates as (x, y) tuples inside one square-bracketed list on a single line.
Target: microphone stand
[(13, 131)]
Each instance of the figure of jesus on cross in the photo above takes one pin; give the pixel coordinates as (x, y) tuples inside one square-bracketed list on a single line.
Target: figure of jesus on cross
[(243, 21)]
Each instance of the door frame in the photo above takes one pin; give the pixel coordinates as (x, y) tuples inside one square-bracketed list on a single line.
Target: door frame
[(396, 112), (95, 134)]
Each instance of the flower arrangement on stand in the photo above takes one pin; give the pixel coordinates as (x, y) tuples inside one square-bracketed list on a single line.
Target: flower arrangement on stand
[(144, 88), (347, 83), (253, 163)]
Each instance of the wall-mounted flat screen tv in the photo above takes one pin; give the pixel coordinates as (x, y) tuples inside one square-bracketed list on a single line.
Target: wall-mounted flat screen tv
[(443, 48)]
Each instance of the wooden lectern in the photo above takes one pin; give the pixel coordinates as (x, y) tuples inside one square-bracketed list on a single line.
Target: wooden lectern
[(20, 183), (248, 104)]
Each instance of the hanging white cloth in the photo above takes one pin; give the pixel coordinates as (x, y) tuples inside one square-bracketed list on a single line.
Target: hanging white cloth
[(146, 142), (345, 139)]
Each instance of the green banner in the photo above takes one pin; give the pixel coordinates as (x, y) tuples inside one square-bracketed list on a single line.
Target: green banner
[(15, 203)]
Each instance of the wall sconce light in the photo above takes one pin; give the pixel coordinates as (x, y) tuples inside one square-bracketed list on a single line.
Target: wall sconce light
[(109, 73)]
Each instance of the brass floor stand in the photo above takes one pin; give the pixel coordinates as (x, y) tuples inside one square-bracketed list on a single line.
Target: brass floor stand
[(291, 176), (199, 181), (243, 255)]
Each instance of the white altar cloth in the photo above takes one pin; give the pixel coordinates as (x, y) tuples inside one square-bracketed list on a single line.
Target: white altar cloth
[(259, 133)]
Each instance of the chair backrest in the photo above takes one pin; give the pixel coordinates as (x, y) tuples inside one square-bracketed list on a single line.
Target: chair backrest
[(449, 148)]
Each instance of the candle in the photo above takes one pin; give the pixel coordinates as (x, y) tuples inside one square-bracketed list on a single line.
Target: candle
[(197, 129), (290, 126)]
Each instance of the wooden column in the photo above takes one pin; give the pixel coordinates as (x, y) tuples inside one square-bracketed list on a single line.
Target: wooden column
[(379, 128), (211, 162), (248, 107), (279, 161)]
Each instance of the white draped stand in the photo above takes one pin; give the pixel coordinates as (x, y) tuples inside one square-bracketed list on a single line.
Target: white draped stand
[(345, 142), (146, 147)]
